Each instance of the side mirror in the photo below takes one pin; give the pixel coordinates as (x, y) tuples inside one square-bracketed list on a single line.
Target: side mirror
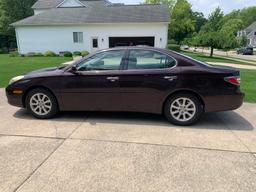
[(74, 69)]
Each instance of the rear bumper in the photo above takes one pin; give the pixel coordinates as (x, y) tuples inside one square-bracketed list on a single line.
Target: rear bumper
[(14, 99), (223, 102)]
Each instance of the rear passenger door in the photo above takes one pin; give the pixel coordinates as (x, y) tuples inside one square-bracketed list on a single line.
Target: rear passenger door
[(148, 77)]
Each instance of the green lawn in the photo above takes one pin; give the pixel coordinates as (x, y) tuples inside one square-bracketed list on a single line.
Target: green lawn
[(13, 66), (248, 84), (216, 59)]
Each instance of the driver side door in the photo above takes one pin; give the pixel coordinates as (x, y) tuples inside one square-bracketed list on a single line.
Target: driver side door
[(95, 87)]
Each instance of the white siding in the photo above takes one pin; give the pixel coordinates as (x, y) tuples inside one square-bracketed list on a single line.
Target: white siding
[(60, 38)]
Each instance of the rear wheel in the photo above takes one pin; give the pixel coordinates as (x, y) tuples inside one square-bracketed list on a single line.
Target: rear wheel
[(41, 103), (183, 109)]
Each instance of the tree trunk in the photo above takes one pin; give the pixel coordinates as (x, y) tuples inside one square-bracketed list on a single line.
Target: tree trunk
[(211, 52)]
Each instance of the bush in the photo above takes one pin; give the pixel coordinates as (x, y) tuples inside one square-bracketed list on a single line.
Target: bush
[(39, 54), (172, 41), (3, 51), (49, 54), (30, 54), (174, 47), (13, 54), (67, 54), (84, 53), (77, 53)]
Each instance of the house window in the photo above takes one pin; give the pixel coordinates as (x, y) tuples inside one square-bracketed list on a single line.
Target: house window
[(95, 42), (78, 37), (255, 33)]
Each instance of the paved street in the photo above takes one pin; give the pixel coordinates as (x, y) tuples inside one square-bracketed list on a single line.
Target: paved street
[(251, 58), (82, 151)]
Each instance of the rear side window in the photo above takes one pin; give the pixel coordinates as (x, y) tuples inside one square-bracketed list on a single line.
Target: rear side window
[(144, 59)]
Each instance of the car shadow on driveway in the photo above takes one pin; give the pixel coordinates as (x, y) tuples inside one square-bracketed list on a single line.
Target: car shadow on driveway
[(221, 120)]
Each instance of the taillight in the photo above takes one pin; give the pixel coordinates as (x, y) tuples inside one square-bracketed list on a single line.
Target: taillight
[(235, 80)]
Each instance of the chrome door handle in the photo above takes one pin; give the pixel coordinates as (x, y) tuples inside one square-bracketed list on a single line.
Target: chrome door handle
[(112, 79), (170, 78)]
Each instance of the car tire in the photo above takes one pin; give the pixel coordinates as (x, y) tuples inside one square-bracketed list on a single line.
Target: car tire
[(183, 109), (41, 103)]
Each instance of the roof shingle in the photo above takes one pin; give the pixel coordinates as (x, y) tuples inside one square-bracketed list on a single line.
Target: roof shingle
[(100, 14)]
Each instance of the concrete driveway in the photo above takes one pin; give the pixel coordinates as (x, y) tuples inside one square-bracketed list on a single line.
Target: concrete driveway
[(126, 152)]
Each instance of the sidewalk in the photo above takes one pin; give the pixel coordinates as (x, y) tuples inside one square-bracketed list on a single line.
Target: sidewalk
[(234, 65)]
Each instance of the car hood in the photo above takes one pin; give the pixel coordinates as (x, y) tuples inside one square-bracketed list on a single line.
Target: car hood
[(45, 72)]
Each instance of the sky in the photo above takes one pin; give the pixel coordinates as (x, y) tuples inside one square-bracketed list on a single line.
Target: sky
[(207, 6)]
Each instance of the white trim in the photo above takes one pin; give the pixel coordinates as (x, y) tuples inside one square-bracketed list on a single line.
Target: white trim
[(79, 2)]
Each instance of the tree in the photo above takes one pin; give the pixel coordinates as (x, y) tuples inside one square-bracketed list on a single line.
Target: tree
[(243, 41), (182, 22), (228, 34), (200, 20), (210, 33), (11, 11)]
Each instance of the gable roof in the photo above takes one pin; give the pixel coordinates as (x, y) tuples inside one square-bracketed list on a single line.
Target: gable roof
[(145, 13), (48, 4), (251, 28)]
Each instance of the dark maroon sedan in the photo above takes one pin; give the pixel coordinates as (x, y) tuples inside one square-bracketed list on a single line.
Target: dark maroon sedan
[(140, 79)]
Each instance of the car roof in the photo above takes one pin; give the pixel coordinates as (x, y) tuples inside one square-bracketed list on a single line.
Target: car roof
[(138, 47)]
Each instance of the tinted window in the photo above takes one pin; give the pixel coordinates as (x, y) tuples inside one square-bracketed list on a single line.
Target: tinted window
[(143, 59), (110, 60)]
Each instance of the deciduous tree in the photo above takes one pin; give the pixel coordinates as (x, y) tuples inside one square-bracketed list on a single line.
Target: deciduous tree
[(11, 11), (182, 21)]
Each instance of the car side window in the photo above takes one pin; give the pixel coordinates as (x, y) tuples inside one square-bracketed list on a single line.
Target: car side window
[(146, 59), (109, 60)]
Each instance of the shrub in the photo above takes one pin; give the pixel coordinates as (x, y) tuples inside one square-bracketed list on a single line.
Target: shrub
[(49, 54), (30, 54), (13, 54), (174, 47), (39, 54), (84, 53), (172, 41), (67, 54), (3, 51), (77, 53)]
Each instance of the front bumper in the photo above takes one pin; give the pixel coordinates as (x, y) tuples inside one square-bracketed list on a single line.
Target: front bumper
[(224, 102), (14, 98)]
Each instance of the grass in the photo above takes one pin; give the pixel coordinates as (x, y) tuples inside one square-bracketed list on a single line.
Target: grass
[(14, 66), (248, 84), (216, 59)]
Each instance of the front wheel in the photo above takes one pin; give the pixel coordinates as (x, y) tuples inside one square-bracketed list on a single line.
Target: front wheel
[(183, 109), (41, 103)]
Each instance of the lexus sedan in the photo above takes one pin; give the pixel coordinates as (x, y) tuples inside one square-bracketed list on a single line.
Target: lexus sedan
[(135, 79)]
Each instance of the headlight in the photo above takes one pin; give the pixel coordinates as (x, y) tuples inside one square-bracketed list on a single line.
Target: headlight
[(14, 79)]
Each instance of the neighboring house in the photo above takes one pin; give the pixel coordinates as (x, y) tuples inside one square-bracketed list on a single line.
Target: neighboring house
[(77, 25), (250, 33)]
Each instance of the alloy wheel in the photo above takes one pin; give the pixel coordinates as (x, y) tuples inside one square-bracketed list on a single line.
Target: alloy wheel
[(40, 104), (183, 109)]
